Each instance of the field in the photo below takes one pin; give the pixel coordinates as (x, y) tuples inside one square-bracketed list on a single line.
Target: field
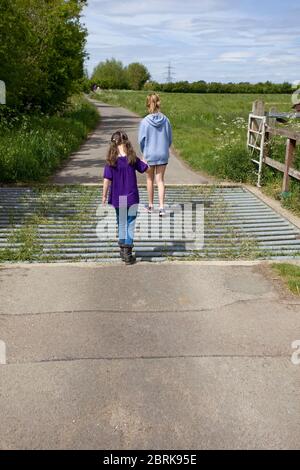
[(210, 133)]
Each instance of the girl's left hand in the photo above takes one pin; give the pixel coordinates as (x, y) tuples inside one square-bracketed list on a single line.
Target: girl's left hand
[(104, 200)]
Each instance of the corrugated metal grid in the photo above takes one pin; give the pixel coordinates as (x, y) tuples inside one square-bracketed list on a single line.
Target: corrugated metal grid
[(67, 224)]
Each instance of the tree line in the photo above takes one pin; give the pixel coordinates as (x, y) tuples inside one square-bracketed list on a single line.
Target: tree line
[(218, 87), (111, 74), (42, 52)]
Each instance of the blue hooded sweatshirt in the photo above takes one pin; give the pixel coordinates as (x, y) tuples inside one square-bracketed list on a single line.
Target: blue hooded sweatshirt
[(155, 138)]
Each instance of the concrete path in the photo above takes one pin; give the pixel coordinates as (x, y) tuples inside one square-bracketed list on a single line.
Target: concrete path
[(170, 356), (86, 165)]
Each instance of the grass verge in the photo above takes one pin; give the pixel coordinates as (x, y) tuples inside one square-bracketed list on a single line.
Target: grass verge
[(290, 274), (33, 146)]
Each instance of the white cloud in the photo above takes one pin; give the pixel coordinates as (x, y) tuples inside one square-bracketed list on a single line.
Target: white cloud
[(124, 8), (279, 59), (235, 56), (227, 40)]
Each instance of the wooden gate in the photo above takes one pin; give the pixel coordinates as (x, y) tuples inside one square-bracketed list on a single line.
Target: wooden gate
[(261, 127)]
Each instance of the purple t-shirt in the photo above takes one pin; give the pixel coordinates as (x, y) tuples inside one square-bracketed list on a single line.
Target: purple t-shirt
[(123, 180)]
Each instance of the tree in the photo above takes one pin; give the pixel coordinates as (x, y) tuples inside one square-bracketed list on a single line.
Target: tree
[(110, 74), (41, 51), (152, 86), (137, 75), (198, 87)]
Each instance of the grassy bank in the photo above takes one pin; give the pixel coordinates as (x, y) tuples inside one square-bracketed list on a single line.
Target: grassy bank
[(210, 134), (290, 275), (33, 146)]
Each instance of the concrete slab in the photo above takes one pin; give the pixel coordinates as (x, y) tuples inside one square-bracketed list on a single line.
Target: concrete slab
[(175, 403), (168, 287), (177, 356), (253, 328)]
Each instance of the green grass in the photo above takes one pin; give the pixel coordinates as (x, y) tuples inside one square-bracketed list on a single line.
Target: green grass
[(290, 274), (33, 146), (210, 134), (209, 129)]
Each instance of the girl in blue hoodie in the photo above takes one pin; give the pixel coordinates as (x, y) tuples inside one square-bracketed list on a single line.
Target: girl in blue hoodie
[(155, 139)]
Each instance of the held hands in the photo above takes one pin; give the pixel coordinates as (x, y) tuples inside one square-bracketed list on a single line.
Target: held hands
[(106, 185)]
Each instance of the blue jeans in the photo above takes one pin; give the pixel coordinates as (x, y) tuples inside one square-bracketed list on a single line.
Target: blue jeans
[(126, 217)]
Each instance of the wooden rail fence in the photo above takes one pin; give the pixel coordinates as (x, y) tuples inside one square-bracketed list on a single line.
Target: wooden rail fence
[(261, 127)]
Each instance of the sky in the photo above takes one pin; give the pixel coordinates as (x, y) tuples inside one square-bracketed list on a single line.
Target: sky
[(211, 40)]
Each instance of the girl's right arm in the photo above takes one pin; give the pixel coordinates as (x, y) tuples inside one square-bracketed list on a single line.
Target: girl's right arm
[(169, 132), (106, 185)]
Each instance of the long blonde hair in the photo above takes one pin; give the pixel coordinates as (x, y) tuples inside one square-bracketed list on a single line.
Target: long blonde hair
[(153, 103), (118, 138)]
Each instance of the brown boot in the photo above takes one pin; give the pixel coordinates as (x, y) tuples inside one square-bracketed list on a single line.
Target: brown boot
[(122, 255), (128, 256)]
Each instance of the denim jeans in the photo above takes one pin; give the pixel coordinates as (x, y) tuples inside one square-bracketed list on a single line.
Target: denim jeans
[(126, 217)]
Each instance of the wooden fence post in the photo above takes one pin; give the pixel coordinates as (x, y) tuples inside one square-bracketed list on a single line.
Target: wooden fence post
[(289, 158), (258, 108), (272, 123)]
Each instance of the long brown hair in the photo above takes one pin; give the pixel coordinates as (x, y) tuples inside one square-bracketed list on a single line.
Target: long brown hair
[(153, 103), (118, 138)]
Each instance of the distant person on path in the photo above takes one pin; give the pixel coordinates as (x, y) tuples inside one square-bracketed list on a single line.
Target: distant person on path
[(120, 186), (155, 139)]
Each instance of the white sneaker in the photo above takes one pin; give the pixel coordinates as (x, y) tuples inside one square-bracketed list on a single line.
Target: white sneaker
[(148, 208), (162, 212)]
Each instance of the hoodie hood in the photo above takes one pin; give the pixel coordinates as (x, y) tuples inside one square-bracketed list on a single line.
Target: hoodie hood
[(156, 119)]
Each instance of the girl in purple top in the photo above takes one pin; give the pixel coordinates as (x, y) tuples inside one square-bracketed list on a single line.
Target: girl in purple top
[(120, 185)]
